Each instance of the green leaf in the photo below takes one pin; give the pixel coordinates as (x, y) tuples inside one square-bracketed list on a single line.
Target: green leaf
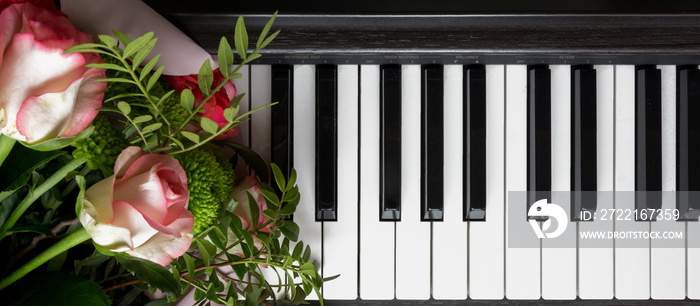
[(18, 168), (270, 196), (152, 127), (143, 53), (205, 78), (241, 38), (209, 125), (236, 101), (308, 269), (279, 177), (191, 136), (307, 254), (249, 242), (265, 30), (142, 119), (59, 143), (148, 67), (189, 263), (290, 230), (88, 47), (122, 37), (330, 278), (150, 272), (116, 80), (207, 250), (268, 40), (288, 208), (225, 57), (124, 107), (137, 44), (107, 66), (215, 240), (154, 78), (254, 210), (187, 99), (57, 289), (252, 57), (118, 97), (297, 250), (292, 180), (269, 213), (230, 114)]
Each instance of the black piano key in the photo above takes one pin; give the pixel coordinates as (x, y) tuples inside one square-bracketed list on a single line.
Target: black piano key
[(474, 142), (432, 105), (583, 141), (688, 143), (326, 142), (282, 122), (648, 138), (390, 144), (539, 135)]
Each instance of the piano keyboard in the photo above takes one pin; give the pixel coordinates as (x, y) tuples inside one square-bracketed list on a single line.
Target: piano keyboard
[(404, 172), (408, 131)]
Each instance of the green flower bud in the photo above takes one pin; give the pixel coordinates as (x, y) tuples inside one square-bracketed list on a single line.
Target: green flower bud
[(209, 181)]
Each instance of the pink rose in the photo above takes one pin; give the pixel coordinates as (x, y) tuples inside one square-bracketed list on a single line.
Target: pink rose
[(215, 106), (45, 93), (142, 208)]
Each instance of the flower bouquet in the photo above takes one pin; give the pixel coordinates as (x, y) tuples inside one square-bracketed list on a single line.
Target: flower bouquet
[(128, 185)]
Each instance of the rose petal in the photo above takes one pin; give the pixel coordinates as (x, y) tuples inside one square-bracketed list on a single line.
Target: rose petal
[(125, 159), (130, 218), (100, 194), (30, 68), (65, 113), (88, 100), (145, 193), (115, 238), (145, 162), (162, 248)]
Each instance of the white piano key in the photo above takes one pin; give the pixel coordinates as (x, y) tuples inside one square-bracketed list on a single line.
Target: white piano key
[(559, 263), (522, 263), (339, 247), (412, 235), (631, 263), (304, 161), (595, 258), (486, 239), (668, 256), (376, 238), (450, 235)]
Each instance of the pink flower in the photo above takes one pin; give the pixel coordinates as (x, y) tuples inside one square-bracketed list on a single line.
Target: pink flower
[(142, 208), (215, 106), (45, 93)]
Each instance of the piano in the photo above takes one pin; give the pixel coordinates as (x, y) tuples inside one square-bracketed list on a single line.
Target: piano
[(413, 129)]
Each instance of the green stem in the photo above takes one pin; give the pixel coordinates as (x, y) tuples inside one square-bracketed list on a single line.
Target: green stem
[(37, 192), (65, 244), (6, 144)]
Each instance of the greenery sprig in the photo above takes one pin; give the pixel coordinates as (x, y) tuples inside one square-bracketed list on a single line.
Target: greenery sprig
[(151, 125)]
